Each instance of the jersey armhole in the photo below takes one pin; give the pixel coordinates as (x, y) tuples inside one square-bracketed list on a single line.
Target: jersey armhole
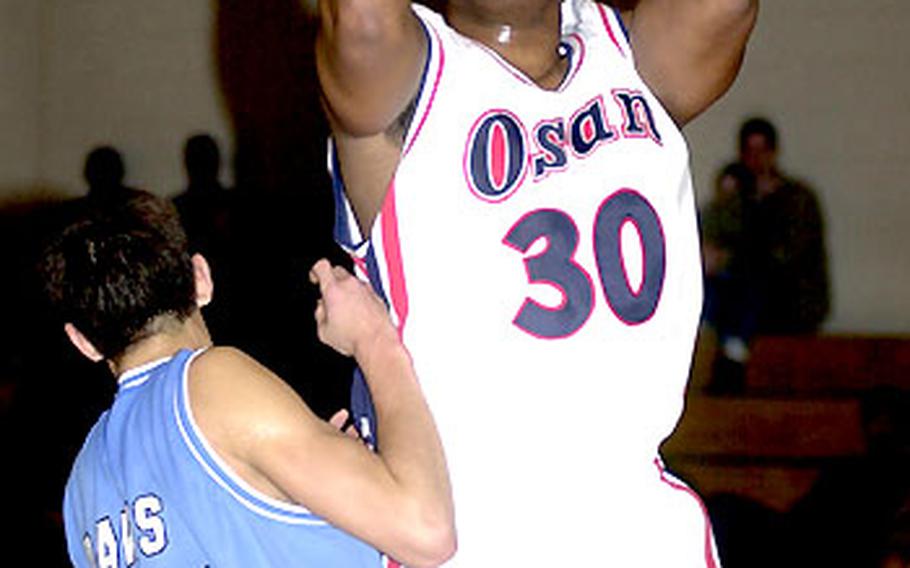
[(432, 74), (346, 230), (615, 28)]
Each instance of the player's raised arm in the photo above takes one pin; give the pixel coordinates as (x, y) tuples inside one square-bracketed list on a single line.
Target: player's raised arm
[(370, 56), (689, 51)]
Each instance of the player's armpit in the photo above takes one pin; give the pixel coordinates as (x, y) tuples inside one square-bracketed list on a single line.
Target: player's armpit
[(263, 430), (689, 51), (370, 56)]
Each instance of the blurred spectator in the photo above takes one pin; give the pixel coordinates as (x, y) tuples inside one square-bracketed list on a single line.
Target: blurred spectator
[(723, 218), (104, 172), (785, 240), (729, 294), (204, 205), (763, 246)]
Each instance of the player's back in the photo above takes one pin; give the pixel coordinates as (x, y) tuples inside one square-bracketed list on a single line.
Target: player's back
[(148, 489)]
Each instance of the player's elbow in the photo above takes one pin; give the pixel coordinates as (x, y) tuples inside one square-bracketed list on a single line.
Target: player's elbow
[(431, 539), (435, 546)]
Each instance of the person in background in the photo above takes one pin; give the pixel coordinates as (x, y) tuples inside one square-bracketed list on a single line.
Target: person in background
[(207, 213), (786, 240), (205, 204), (729, 294), (104, 172)]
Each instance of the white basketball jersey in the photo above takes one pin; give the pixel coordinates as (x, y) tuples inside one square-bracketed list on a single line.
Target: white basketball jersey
[(539, 252)]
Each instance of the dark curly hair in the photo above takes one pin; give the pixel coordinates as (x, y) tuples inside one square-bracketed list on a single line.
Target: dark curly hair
[(120, 270)]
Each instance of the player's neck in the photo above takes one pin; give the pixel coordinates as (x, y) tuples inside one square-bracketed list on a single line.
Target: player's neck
[(527, 38), (192, 334)]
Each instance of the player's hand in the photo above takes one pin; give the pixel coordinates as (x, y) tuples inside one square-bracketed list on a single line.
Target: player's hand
[(342, 422), (349, 316)]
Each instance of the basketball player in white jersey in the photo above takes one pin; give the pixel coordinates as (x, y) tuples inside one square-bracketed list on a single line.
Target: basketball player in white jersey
[(206, 458), (510, 175)]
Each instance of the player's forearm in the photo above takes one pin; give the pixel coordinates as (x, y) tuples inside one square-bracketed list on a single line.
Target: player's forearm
[(411, 449)]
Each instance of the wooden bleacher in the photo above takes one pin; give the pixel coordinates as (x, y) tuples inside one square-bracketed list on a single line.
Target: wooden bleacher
[(800, 410)]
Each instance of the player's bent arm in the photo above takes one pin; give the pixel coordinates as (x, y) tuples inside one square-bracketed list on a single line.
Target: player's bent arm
[(399, 501), (689, 51), (369, 56), (354, 321)]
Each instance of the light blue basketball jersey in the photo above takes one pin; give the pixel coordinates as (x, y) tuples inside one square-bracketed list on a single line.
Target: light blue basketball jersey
[(148, 490)]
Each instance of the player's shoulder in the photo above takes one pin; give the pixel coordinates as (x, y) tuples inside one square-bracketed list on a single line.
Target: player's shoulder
[(221, 359), (226, 377), (232, 396)]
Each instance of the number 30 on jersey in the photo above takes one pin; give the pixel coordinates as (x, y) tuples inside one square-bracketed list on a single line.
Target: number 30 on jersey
[(556, 265)]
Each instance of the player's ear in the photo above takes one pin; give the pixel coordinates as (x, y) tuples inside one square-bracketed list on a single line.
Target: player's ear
[(202, 276), (82, 343)]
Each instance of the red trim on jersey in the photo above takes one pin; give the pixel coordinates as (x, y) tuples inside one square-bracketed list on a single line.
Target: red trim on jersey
[(392, 252), (426, 112), (710, 560), (606, 19), (360, 266)]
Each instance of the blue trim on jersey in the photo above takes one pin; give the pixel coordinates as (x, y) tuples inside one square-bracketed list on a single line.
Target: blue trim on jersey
[(426, 69), (362, 407), (211, 463), (374, 274), (622, 26), (343, 234)]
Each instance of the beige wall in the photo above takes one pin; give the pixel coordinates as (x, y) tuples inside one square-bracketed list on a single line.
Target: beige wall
[(136, 74), (19, 93), (831, 73)]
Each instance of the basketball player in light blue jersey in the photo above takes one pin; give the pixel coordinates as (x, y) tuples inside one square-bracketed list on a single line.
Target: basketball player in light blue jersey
[(208, 459)]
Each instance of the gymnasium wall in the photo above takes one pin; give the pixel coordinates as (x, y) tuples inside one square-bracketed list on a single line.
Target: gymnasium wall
[(832, 74), (139, 75), (20, 66), (143, 76)]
